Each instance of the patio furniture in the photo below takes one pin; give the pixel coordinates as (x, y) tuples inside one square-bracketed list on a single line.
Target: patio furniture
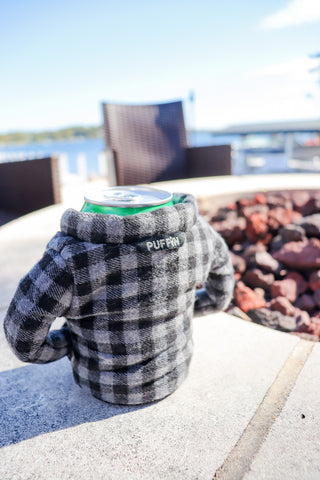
[(148, 143), (28, 185)]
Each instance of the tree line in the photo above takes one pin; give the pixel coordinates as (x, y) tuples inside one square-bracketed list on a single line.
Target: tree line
[(69, 133)]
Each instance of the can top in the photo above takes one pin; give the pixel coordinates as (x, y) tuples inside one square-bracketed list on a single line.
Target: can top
[(129, 196)]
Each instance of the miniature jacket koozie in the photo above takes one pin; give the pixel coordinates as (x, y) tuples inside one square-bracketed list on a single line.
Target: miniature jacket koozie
[(126, 286)]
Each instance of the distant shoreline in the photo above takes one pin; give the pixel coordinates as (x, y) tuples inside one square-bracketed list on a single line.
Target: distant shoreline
[(63, 134)]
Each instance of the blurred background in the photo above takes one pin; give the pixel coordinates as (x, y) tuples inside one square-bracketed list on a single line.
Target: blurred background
[(233, 64)]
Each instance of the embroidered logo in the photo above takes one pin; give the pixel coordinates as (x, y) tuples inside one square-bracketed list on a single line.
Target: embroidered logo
[(165, 242)]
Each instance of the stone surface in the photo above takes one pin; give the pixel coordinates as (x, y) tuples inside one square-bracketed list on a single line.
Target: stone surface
[(312, 327), (285, 288), (275, 200), (302, 318), (302, 284), (246, 298), (283, 305), (255, 278), (279, 217), (316, 297), (302, 202), (292, 233), (254, 207), (306, 302), (63, 434), (311, 225), (278, 259), (314, 280), (54, 431), (232, 230), (250, 251), (273, 319), (300, 255), (257, 227), (238, 262), (291, 449), (265, 261)]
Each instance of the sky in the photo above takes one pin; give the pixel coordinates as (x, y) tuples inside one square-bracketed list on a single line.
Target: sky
[(242, 61)]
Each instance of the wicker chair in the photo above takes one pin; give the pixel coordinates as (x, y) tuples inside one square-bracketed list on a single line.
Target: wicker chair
[(149, 144), (28, 185)]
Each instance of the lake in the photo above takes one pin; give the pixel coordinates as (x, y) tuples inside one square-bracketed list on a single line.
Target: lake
[(243, 160), (71, 150)]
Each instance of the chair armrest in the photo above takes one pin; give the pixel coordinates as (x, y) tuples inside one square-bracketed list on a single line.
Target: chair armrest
[(28, 185), (209, 161)]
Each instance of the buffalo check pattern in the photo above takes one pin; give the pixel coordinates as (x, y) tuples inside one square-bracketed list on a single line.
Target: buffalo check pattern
[(128, 309)]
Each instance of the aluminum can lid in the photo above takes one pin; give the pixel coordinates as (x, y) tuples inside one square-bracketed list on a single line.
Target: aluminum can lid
[(129, 196)]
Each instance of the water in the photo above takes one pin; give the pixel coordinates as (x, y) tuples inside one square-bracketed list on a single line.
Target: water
[(91, 148), (205, 138), (244, 160)]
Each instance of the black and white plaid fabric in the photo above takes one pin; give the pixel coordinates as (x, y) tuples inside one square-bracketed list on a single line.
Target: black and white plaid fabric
[(126, 286)]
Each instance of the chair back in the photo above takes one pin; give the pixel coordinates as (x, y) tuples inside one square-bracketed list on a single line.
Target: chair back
[(148, 142)]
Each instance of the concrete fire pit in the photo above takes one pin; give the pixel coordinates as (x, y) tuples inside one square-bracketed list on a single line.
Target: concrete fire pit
[(251, 393)]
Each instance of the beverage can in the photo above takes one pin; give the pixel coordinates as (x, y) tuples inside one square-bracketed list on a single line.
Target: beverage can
[(126, 200)]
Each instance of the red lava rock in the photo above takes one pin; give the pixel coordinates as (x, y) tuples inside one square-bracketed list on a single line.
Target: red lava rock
[(257, 279), (305, 302), (311, 225), (315, 200), (239, 263), (296, 216), (300, 255), (232, 206), (313, 327), (292, 233), (302, 284), (244, 202), (273, 237), (273, 319), (246, 298), (279, 200), (306, 203), (222, 214), (260, 198), (282, 305), (314, 280), (276, 243), (256, 208), (238, 248), (279, 217), (301, 200), (316, 298), (257, 227), (251, 250), (266, 261), (260, 291), (302, 317), (232, 230), (257, 256), (285, 288)]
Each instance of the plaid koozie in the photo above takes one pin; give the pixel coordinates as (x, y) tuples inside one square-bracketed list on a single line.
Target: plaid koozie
[(126, 286)]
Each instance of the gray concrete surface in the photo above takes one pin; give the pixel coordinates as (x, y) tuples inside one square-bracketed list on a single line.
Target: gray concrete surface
[(248, 409), (293, 443)]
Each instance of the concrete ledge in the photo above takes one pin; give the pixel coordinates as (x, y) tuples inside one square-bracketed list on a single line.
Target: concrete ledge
[(248, 409), (216, 191), (51, 429)]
